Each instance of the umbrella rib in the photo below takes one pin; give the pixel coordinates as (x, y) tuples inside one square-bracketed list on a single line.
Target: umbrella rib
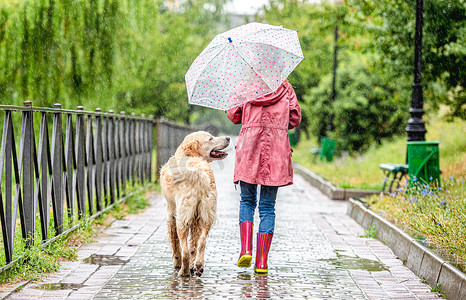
[(252, 67)]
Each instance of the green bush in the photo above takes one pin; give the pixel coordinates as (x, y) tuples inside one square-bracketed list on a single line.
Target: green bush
[(113, 54), (367, 109)]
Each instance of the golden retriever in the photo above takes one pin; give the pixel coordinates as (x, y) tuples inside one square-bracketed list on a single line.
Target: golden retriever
[(188, 185)]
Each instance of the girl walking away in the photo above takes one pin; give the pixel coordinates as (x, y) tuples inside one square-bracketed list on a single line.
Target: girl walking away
[(263, 157)]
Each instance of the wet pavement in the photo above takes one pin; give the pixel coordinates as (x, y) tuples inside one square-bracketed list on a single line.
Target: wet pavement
[(317, 252)]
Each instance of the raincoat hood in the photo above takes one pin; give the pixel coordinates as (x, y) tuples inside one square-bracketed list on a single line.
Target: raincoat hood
[(272, 98)]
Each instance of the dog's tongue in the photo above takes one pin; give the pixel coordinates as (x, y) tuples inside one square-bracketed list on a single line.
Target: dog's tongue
[(215, 152)]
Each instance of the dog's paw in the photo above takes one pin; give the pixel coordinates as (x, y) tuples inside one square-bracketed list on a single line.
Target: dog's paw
[(184, 273), (199, 269), (176, 262)]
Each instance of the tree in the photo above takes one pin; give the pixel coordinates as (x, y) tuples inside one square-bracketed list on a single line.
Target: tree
[(113, 54), (444, 44), (367, 110), (369, 103)]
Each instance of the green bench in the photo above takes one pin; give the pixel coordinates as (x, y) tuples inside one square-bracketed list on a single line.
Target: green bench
[(396, 172), (423, 168)]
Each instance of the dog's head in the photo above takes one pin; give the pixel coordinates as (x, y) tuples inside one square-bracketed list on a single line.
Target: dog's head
[(203, 144)]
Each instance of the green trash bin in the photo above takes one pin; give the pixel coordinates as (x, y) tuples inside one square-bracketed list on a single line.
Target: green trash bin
[(327, 149), (423, 161)]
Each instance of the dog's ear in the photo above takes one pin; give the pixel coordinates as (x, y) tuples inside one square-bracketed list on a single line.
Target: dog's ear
[(191, 147)]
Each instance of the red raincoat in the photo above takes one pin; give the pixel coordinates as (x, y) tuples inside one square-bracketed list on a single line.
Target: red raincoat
[(263, 152)]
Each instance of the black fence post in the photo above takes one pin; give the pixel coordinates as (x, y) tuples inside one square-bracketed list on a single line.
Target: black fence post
[(105, 165), (70, 166), (111, 155), (123, 151), (90, 164), (98, 160), (80, 157), (132, 146), (116, 147), (58, 171), (151, 145), (46, 174), (27, 206), (9, 208)]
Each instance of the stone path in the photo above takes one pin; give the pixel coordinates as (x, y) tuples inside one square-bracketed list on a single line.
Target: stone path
[(317, 253)]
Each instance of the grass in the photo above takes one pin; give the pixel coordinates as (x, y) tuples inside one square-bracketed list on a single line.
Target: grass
[(370, 232), (435, 216), (39, 259), (438, 289), (362, 171)]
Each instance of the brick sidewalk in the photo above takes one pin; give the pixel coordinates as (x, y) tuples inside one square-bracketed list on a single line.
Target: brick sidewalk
[(317, 252)]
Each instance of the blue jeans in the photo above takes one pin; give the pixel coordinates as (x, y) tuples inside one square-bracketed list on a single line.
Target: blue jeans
[(248, 205)]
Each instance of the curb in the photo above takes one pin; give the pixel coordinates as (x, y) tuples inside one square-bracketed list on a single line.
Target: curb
[(329, 189), (419, 259)]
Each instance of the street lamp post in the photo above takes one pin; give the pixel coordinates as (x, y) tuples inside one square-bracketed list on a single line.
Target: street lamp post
[(331, 127), (416, 129)]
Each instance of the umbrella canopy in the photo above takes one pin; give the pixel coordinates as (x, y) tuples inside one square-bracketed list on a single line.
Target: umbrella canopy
[(243, 64)]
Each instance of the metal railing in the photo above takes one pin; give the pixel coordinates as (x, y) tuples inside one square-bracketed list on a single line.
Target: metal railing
[(171, 134), (72, 175)]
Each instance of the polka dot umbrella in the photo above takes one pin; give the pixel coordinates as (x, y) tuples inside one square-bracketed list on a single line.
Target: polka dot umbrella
[(243, 64)]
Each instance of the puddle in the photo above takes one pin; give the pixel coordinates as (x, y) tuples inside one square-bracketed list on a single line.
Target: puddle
[(59, 286), (358, 263), (105, 260), (244, 276)]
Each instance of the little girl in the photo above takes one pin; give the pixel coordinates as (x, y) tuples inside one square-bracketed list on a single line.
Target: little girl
[(263, 156)]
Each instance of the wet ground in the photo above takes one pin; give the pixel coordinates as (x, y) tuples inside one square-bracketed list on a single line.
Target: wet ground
[(317, 252)]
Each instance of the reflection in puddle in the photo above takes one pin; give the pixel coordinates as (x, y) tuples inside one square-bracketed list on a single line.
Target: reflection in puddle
[(192, 287), (59, 286), (357, 263), (252, 286), (246, 284), (262, 286), (244, 276), (105, 260)]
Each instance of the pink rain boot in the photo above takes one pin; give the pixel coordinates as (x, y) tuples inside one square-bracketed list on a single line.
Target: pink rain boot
[(263, 245), (245, 256)]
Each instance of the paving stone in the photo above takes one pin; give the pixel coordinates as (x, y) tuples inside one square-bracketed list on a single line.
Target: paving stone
[(317, 253), (80, 296), (303, 258)]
